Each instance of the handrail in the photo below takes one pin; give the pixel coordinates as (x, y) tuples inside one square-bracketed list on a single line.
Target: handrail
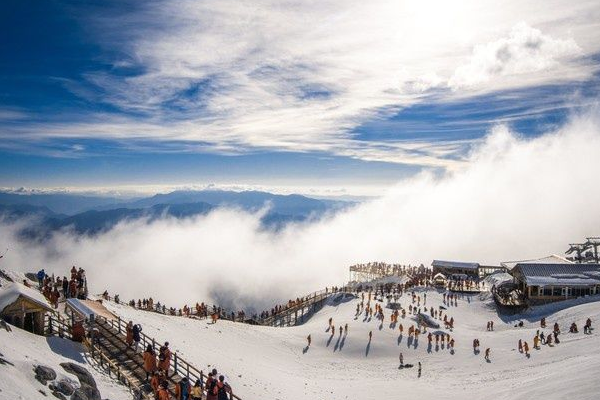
[(121, 377), (225, 314), (63, 327)]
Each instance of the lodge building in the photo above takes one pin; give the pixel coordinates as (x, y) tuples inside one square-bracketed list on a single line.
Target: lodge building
[(544, 283)]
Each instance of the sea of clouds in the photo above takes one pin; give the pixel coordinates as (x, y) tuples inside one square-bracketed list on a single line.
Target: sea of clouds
[(514, 198)]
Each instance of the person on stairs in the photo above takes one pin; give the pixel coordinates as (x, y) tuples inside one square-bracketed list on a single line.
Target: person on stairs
[(149, 361), (222, 389), (196, 390), (183, 389), (163, 391), (211, 383)]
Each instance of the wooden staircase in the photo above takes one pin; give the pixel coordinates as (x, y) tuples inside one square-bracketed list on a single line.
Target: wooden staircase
[(110, 341)]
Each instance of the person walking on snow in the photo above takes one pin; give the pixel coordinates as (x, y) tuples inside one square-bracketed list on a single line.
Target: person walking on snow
[(309, 340), (487, 354)]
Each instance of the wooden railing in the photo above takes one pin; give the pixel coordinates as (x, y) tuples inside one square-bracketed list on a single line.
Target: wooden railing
[(179, 365), (309, 300), (114, 370), (270, 320), (56, 325)]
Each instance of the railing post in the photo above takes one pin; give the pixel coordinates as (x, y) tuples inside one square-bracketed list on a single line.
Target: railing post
[(175, 363), (119, 324), (187, 372)]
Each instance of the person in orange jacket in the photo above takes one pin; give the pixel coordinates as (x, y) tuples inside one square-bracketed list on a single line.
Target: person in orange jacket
[(163, 391), (149, 361), (129, 334), (165, 358), (155, 382)]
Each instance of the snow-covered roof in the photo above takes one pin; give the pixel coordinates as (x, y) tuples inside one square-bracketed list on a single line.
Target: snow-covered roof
[(80, 307), (439, 275), (498, 278), (454, 264), (567, 274), (551, 259), (11, 291)]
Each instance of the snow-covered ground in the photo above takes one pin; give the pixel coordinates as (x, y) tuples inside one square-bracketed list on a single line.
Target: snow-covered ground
[(270, 363), (25, 351)]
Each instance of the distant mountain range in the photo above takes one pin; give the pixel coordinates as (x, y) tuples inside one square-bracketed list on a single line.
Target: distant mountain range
[(46, 213)]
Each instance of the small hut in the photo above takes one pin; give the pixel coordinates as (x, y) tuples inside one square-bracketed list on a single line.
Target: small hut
[(23, 307)]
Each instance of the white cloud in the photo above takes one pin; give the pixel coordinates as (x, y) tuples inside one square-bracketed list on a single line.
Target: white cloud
[(526, 51), (226, 76), (515, 198)]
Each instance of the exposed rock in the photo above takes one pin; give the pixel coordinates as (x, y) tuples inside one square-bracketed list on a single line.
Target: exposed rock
[(86, 392), (42, 392), (64, 386), (58, 395), (32, 276), (81, 373), (44, 374)]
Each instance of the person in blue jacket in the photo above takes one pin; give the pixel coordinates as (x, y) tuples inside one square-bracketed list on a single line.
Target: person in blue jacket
[(41, 275)]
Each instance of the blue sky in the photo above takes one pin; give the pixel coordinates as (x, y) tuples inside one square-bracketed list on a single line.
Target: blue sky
[(331, 94)]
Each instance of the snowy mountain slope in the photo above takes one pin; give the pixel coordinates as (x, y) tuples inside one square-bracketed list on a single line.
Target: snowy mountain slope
[(265, 362), (25, 351)]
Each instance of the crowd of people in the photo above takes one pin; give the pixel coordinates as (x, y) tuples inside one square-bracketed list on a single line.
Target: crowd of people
[(157, 374), (57, 288)]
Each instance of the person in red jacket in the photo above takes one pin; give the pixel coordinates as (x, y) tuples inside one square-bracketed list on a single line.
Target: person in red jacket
[(222, 389), (211, 383)]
